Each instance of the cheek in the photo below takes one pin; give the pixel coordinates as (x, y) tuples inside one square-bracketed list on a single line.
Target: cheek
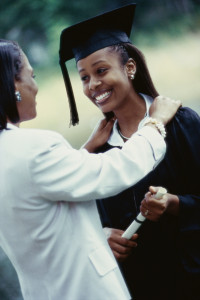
[(86, 90), (33, 88), (29, 88), (114, 79)]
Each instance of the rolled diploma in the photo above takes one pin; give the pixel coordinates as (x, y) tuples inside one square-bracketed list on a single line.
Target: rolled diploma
[(133, 227)]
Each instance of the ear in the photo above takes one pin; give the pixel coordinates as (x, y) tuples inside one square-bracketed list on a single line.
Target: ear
[(131, 66), (16, 85)]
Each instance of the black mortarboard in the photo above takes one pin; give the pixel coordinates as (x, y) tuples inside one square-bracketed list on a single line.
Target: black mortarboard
[(82, 39)]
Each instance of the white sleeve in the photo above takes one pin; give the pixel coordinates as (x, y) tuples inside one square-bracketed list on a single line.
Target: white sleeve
[(60, 172)]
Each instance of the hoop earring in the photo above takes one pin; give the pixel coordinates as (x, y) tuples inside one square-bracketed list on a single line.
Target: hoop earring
[(18, 96)]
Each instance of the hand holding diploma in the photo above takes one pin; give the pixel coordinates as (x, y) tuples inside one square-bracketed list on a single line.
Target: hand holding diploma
[(153, 209), (154, 204), (120, 247), (150, 202)]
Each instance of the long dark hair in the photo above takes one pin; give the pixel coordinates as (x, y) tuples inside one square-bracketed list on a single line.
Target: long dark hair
[(142, 82), (10, 69)]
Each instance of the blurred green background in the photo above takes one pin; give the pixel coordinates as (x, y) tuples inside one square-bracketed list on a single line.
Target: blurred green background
[(167, 32)]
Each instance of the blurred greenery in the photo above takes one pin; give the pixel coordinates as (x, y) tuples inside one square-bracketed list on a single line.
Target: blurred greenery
[(37, 24), (167, 32)]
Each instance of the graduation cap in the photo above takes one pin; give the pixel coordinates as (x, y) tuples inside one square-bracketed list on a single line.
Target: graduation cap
[(82, 39)]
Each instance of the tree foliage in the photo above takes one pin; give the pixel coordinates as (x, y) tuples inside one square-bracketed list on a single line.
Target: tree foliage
[(31, 22)]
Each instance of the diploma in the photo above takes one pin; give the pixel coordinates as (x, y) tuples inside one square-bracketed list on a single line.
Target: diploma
[(133, 227)]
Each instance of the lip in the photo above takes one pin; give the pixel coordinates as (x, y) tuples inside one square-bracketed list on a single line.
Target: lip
[(102, 98)]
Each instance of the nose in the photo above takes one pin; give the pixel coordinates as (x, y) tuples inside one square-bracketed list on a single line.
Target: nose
[(36, 88), (94, 83)]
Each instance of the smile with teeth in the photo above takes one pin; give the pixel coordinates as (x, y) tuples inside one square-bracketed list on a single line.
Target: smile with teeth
[(101, 98)]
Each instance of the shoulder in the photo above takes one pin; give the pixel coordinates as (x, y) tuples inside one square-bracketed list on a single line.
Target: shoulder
[(185, 119), (37, 134), (186, 115), (34, 139), (184, 129)]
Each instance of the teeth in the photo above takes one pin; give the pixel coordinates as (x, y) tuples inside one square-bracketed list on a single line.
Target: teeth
[(102, 96)]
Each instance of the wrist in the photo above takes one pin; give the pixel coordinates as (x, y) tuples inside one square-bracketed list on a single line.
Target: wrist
[(173, 205), (157, 125), (90, 147)]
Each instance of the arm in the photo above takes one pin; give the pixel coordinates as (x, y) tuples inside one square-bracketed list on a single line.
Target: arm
[(62, 173), (185, 132)]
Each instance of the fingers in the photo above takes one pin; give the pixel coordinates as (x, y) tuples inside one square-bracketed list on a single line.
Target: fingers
[(120, 257), (152, 208), (164, 108), (109, 124), (153, 189), (164, 98), (114, 236), (121, 247), (144, 208), (104, 124)]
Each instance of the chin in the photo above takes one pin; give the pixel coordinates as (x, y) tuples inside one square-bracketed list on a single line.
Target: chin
[(105, 110), (29, 118), (33, 117)]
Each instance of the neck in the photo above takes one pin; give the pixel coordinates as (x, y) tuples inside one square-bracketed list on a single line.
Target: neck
[(130, 115)]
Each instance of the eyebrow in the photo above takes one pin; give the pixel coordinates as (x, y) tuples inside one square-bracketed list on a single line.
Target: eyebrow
[(95, 63)]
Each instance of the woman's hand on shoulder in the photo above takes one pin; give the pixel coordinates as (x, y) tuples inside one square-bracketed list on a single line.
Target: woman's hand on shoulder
[(100, 136), (164, 108)]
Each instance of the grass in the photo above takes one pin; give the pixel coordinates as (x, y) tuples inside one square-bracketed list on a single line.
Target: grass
[(175, 69)]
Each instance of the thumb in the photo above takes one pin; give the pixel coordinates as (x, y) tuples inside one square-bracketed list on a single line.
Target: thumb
[(110, 124), (153, 189)]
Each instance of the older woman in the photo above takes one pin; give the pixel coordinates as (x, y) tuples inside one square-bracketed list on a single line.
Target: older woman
[(115, 77), (49, 227)]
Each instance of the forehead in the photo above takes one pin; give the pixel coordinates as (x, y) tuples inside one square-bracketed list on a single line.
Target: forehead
[(102, 55), (25, 62)]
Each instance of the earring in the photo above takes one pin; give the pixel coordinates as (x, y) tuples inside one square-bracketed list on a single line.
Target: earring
[(132, 76), (18, 96)]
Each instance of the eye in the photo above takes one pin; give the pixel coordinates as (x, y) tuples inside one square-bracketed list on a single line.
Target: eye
[(84, 78), (101, 70), (33, 76)]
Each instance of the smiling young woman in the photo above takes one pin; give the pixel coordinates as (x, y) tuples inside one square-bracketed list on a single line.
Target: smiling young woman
[(107, 77)]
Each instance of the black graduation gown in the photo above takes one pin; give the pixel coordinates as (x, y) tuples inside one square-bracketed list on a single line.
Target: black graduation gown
[(166, 263)]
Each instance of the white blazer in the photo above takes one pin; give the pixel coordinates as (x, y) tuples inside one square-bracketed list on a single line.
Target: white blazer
[(49, 227)]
